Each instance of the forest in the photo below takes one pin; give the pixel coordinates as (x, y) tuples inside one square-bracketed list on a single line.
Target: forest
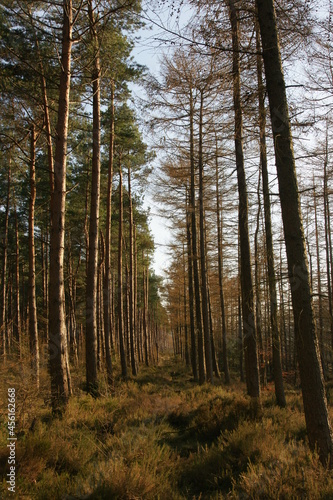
[(214, 377)]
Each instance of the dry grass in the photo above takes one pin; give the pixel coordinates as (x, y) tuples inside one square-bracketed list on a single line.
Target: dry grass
[(162, 437)]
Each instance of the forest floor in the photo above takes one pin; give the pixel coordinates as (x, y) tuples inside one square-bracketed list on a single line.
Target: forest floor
[(159, 436)]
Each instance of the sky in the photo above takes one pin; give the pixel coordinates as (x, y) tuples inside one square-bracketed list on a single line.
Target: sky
[(148, 52)]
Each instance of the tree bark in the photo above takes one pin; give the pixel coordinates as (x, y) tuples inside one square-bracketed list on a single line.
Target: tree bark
[(135, 291), (211, 333), (33, 328), (71, 309), (4, 270), (240, 340), (220, 271), (58, 365), (92, 274), (262, 361), (203, 256), (313, 390), (107, 270), (328, 246), (17, 314), (187, 350), (202, 376), (145, 316), (131, 277), (276, 347), (120, 280), (320, 300), (249, 332), (190, 291)]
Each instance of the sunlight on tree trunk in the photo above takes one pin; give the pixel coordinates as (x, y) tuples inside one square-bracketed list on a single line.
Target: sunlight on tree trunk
[(313, 390), (58, 363)]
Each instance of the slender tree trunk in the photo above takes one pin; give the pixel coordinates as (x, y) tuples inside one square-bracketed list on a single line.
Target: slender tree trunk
[(48, 129), (145, 316), (220, 271), (240, 339), (4, 270), (313, 390), (99, 307), (71, 309), (131, 277), (9, 308), (202, 376), (249, 335), (211, 333), (47, 120), (127, 317), (107, 272), (42, 258), (187, 350), (120, 280), (92, 278), (58, 365), (86, 222), (262, 361), (276, 347), (135, 300), (33, 328), (320, 300), (191, 294), (328, 246), (203, 256), (17, 314)]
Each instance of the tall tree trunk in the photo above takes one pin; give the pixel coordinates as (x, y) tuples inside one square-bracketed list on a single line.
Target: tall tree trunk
[(58, 365), (211, 333), (249, 335), (202, 376), (145, 316), (220, 271), (99, 307), (276, 347), (328, 246), (120, 279), (126, 317), (17, 314), (86, 222), (92, 281), (187, 350), (4, 270), (47, 119), (71, 309), (107, 272), (262, 361), (42, 258), (33, 328), (203, 256), (50, 157), (9, 307), (240, 339), (320, 300), (190, 291), (131, 277), (313, 390), (135, 291)]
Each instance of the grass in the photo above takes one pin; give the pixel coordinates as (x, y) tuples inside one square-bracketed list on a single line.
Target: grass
[(159, 437)]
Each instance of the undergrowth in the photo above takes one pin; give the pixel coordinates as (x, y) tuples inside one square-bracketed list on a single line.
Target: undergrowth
[(159, 437)]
